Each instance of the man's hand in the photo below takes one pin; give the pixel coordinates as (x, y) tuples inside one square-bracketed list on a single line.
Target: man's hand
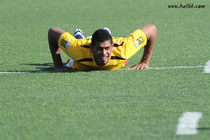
[(59, 69), (64, 69), (139, 66)]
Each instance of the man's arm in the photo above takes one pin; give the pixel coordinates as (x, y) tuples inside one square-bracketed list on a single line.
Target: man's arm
[(53, 36), (150, 32)]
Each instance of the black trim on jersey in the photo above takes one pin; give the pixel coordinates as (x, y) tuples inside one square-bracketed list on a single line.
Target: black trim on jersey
[(116, 57), (86, 46), (117, 45), (90, 59), (85, 59)]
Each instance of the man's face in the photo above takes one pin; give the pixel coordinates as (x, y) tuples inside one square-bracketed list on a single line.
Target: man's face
[(102, 52)]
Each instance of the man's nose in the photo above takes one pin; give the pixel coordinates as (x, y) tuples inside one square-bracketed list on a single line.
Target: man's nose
[(104, 52)]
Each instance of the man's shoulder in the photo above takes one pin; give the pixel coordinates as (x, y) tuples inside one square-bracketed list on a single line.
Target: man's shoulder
[(83, 43), (118, 41)]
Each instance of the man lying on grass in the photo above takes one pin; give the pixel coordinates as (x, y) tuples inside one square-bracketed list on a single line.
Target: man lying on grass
[(101, 52)]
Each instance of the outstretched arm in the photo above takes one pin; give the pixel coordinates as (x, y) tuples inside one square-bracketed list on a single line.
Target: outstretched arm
[(53, 36), (150, 32)]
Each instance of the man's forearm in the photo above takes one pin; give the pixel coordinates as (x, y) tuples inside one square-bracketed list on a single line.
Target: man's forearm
[(56, 57), (147, 54)]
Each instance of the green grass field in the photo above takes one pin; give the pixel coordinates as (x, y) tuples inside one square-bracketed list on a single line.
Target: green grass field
[(117, 105)]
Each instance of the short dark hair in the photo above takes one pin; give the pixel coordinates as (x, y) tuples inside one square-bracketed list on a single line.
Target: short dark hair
[(100, 35)]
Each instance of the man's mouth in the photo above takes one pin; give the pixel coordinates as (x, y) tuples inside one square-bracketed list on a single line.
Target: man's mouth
[(103, 58)]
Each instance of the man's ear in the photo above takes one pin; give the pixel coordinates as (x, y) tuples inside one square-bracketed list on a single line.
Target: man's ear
[(112, 46)]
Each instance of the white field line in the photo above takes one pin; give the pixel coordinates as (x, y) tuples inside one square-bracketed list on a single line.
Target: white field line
[(188, 123), (13, 72), (151, 68), (175, 67), (165, 68), (207, 67), (8, 72)]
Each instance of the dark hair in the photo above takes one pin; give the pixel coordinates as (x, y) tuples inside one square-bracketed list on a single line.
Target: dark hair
[(100, 35)]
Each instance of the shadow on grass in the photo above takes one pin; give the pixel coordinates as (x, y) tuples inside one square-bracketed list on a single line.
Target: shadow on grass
[(203, 128), (44, 68), (38, 64)]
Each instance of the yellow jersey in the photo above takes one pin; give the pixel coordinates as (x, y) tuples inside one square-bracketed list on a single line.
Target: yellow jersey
[(79, 50)]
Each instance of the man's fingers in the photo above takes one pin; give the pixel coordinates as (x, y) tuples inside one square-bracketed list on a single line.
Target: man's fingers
[(133, 67), (138, 67), (59, 69), (64, 69), (141, 68)]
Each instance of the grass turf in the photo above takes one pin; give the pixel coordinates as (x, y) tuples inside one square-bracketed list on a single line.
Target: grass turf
[(102, 104)]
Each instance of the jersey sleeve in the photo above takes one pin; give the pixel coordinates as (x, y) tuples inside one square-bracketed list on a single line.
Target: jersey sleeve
[(72, 46), (132, 44)]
